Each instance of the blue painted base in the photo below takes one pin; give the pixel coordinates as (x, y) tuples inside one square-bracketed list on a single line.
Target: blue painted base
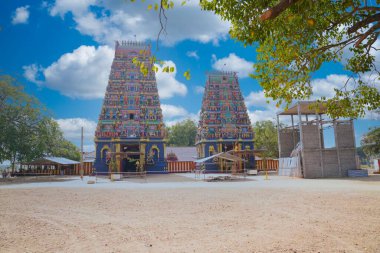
[(157, 168), (357, 173)]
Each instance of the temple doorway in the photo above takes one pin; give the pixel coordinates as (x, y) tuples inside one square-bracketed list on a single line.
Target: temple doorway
[(129, 165), (132, 155), (228, 147)]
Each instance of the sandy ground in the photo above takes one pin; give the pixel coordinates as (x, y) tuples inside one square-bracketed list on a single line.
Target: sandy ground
[(179, 214)]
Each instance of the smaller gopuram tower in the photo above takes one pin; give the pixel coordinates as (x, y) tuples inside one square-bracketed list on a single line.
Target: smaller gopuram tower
[(224, 124), (130, 132)]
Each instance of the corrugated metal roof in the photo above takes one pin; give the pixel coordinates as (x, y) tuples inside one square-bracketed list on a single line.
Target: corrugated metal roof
[(225, 156), (60, 160), (183, 153), (206, 158)]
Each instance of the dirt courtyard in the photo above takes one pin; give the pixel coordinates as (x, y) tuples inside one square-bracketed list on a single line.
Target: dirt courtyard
[(165, 214)]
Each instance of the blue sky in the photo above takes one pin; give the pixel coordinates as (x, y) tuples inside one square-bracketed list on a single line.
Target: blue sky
[(61, 52)]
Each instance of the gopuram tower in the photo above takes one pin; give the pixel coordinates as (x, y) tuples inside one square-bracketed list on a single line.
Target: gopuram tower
[(130, 132), (224, 125)]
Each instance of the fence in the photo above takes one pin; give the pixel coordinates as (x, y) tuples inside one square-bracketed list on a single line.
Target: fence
[(180, 167), (270, 165)]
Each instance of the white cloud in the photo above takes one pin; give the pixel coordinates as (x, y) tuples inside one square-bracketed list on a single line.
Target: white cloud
[(122, 20), (261, 115), (258, 99), (192, 54), (172, 111), (233, 63), (199, 89), (21, 15), (31, 72), (174, 114), (260, 109), (61, 7), (322, 87), (71, 128), (82, 73), (167, 85)]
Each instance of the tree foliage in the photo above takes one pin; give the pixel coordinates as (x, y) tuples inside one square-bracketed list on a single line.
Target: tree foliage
[(26, 131), (266, 138), (182, 134), (364, 159), (53, 143), (371, 143), (296, 37)]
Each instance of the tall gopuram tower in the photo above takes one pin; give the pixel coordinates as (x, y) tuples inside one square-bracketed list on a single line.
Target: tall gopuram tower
[(224, 124), (130, 132)]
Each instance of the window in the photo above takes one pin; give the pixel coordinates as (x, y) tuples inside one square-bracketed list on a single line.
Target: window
[(131, 116)]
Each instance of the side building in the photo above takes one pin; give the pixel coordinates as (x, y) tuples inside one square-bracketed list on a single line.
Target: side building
[(224, 125), (130, 133)]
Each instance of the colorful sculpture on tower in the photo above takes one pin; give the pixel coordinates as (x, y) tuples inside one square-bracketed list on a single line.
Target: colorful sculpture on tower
[(224, 124), (130, 131)]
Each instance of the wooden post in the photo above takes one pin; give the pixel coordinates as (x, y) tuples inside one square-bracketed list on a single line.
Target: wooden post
[(81, 155), (300, 133), (294, 141), (337, 147), (278, 135), (320, 132)]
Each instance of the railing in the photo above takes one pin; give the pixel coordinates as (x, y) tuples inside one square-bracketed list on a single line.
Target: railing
[(271, 165), (180, 167)]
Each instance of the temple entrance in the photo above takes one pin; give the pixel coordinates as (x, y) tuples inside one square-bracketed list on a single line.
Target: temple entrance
[(130, 147), (228, 147), (132, 155), (129, 165)]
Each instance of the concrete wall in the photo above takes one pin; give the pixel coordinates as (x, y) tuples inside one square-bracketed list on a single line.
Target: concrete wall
[(347, 160), (346, 143), (310, 136), (312, 167), (286, 141), (319, 162), (330, 163), (345, 136)]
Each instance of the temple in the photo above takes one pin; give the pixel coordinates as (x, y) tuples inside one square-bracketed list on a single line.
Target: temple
[(224, 125), (130, 133)]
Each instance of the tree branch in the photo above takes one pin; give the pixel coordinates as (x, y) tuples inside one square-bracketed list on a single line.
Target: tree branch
[(366, 34), (364, 22), (162, 24), (273, 12)]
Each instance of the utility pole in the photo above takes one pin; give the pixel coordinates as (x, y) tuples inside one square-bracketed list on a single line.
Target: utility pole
[(81, 172)]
